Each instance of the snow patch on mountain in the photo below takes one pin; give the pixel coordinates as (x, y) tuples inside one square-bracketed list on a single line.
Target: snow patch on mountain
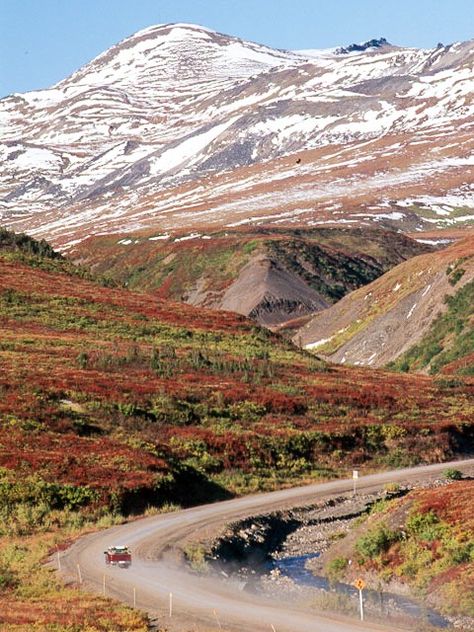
[(186, 150)]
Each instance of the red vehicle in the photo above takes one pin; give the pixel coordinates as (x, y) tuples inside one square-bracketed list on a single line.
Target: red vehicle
[(118, 556)]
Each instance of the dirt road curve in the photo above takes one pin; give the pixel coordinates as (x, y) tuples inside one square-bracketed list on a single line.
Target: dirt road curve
[(201, 603)]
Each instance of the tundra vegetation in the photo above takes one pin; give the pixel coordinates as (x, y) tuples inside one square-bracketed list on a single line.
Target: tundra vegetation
[(113, 402)]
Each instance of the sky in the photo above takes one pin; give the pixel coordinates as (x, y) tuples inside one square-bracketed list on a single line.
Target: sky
[(43, 41)]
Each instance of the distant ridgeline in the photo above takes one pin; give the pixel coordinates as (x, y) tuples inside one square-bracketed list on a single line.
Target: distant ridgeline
[(19, 242), (40, 254)]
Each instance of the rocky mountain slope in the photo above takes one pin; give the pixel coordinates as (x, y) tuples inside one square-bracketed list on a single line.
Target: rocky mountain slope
[(272, 275), (405, 307), (448, 345), (181, 128)]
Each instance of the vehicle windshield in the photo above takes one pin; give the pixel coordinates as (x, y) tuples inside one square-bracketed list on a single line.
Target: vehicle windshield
[(118, 549)]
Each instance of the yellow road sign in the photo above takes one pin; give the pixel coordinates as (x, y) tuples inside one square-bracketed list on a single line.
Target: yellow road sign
[(359, 584)]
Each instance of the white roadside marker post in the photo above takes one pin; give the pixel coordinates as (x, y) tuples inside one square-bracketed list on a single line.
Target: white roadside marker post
[(103, 585), (79, 574), (134, 597), (355, 476), (171, 605)]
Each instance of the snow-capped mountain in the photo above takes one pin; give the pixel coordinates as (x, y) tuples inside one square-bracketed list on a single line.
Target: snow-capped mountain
[(179, 127)]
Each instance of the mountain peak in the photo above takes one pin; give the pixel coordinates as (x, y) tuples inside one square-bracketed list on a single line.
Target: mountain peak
[(364, 46), (177, 30), (165, 54)]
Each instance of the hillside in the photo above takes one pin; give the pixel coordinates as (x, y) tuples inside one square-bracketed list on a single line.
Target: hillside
[(180, 128), (125, 373), (418, 314), (448, 345), (22, 245), (271, 275)]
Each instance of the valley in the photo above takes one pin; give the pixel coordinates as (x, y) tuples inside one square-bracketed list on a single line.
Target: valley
[(134, 403), (271, 275), (228, 270)]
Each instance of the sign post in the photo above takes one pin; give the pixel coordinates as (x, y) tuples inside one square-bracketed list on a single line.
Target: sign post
[(217, 619), (355, 476), (360, 585)]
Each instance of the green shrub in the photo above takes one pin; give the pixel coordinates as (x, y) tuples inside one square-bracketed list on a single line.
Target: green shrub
[(425, 526), (452, 474), (82, 360), (460, 552), (335, 568), (196, 556), (8, 579), (39, 496), (379, 506), (247, 411), (417, 565), (376, 541), (391, 488), (400, 457), (456, 276), (449, 382)]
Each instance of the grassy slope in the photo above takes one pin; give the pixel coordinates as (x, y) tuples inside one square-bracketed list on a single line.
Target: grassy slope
[(426, 540), (111, 401), (32, 598), (448, 346), (331, 261)]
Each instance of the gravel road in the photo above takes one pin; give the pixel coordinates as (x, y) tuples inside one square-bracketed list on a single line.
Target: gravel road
[(201, 603)]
